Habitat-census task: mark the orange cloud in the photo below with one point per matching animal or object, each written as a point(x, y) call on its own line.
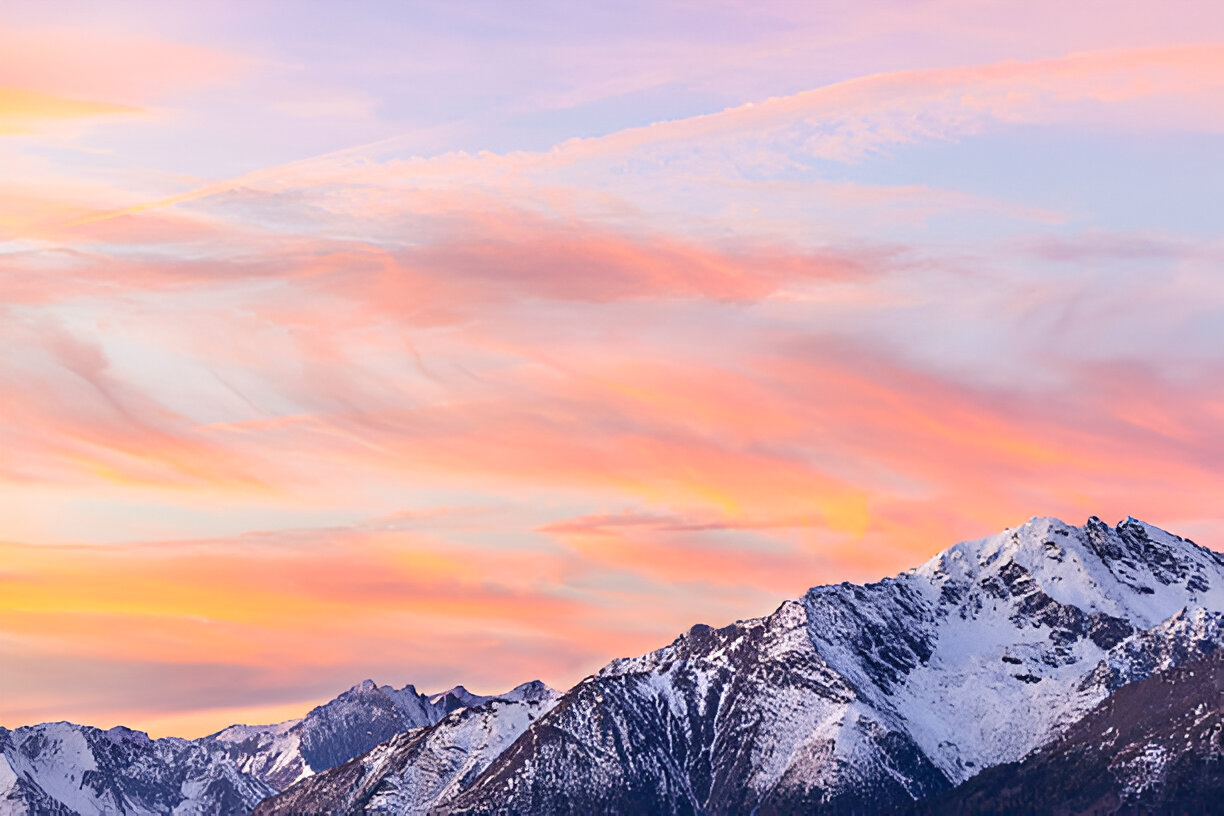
point(488, 365)
point(672, 550)
point(22, 110)
point(746, 468)
point(260, 619)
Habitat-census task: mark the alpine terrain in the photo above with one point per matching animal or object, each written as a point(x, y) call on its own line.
point(60, 768)
point(1003, 673)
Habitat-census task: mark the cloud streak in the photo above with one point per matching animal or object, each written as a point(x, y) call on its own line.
point(21, 111)
point(844, 122)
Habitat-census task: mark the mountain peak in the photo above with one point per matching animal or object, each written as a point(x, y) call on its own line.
point(456, 691)
point(1134, 569)
point(1002, 629)
point(457, 697)
point(531, 691)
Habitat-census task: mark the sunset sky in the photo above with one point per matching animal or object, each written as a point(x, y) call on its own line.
point(477, 342)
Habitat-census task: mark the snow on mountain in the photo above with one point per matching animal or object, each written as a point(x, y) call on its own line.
point(359, 719)
point(60, 768)
point(977, 653)
point(331, 734)
point(865, 697)
point(456, 698)
point(418, 770)
point(851, 699)
point(740, 719)
point(271, 753)
point(1153, 747)
point(533, 691)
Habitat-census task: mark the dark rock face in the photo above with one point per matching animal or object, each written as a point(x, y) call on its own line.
point(332, 734)
point(1130, 551)
point(888, 625)
point(1154, 747)
point(361, 718)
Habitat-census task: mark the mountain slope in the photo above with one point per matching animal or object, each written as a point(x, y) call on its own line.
point(60, 768)
point(979, 653)
point(725, 720)
point(852, 699)
point(861, 698)
point(422, 768)
point(1154, 747)
point(335, 732)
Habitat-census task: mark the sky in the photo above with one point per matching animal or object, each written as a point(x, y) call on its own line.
point(445, 343)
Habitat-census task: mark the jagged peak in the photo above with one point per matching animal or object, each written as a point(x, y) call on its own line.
point(123, 732)
point(1048, 536)
point(457, 696)
point(455, 691)
point(368, 687)
point(531, 691)
point(985, 551)
point(1190, 617)
point(1133, 570)
point(966, 677)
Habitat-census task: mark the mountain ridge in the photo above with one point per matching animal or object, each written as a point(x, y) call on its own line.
point(63, 768)
point(912, 684)
point(851, 698)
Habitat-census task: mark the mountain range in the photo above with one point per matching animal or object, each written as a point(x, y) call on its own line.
point(1049, 668)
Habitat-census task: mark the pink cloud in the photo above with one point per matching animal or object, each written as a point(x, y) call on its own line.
point(113, 66)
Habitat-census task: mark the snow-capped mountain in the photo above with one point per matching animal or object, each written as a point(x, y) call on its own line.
point(863, 698)
point(852, 699)
point(456, 698)
point(271, 753)
point(332, 733)
point(422, 769)
point(60, 769)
